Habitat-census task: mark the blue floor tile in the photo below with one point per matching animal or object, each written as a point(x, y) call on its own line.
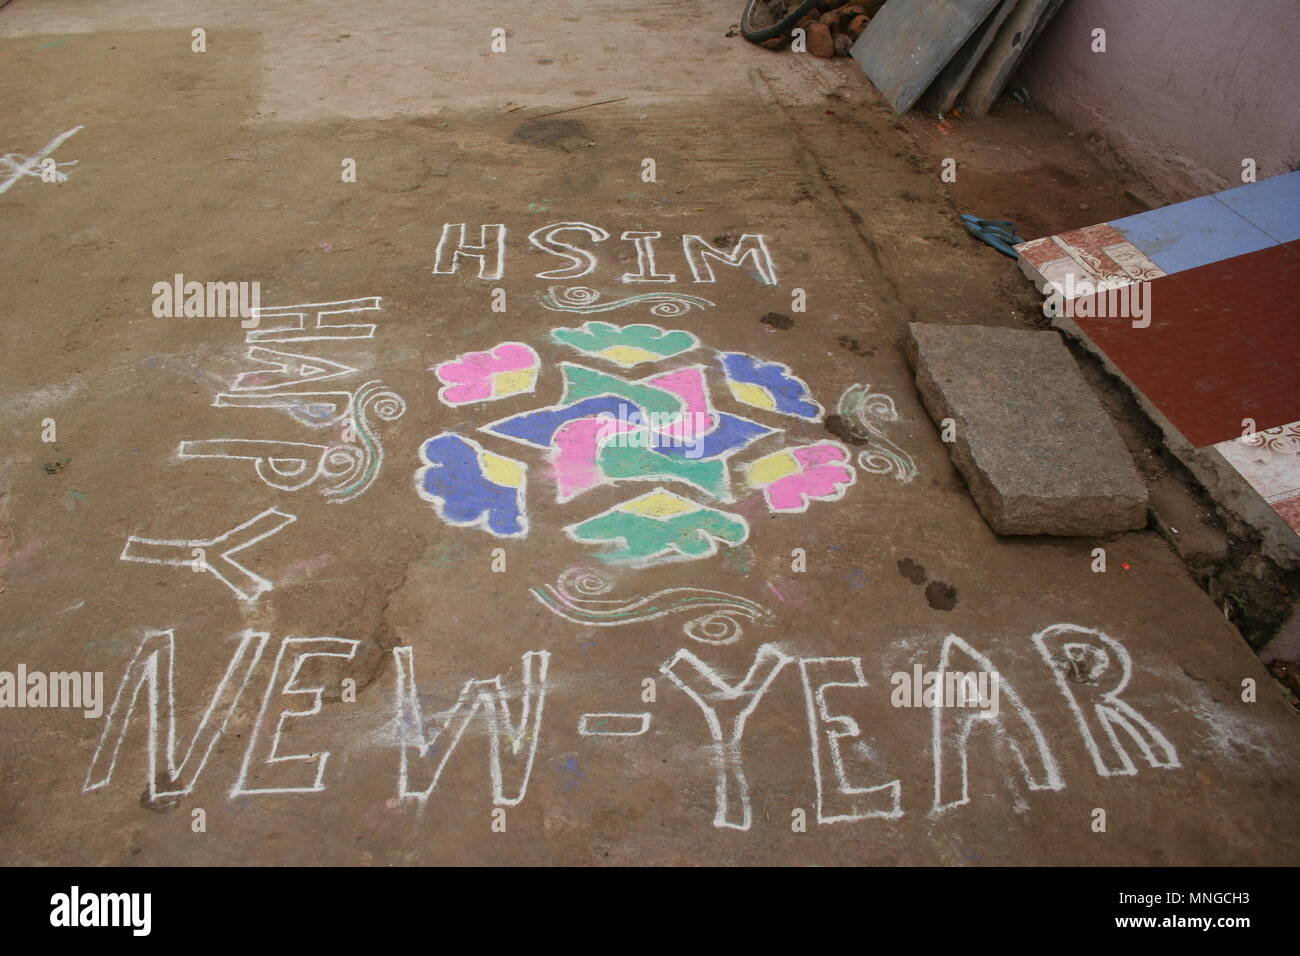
point(1193, 233)
point(1272, 205)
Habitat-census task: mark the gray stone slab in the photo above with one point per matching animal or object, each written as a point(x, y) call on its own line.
point(948, 85)
point(1009, 45)
point(1037, 450)
point(908, 42)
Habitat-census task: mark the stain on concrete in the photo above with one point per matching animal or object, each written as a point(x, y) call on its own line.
point(562, 134)
point(843, 429)
point(778, 321)
point(911, 570)
point(941, 595)
point(850, 344)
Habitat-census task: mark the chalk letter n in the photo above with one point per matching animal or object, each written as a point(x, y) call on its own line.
point(152, 668)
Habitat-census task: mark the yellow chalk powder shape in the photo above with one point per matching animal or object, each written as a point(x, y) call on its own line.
point(751, 394)
point(770, 468)
point(509, 383)
point(658, 504)
point(503, 471)
point(627, 354)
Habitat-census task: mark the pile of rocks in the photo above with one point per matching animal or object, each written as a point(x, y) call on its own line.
point(830, 28)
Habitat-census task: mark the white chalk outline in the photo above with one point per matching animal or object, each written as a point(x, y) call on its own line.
point(879, 448)
point(645, 258)
point(669, 553)
point(286, 333)
point(463, 251)
point(481, 522)
point(274, 688)
point(702, 269)
point(254, 584)
point(326, 455)
point(575, 253)
point(144, 668)
point(271, 357)
point(808, 499)
point(584, 725)
point(536, 369)
point(819, 716)
point(475, 693)
point(295, 403)
point(29, 163)
point(726, 754)
point(968, 717)
point(1111, 711)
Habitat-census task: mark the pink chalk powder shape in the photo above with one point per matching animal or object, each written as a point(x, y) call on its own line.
point(468, 378)
point(689, 385)
point(819, 479)
point(575, 447)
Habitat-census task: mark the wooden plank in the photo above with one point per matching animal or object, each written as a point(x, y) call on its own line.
point(1013, 38)
point(947, 86)
point(908, 42)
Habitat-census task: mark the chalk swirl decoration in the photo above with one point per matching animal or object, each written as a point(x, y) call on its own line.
point(366, 456)
point(575, 596)
point(858, 406)
point(585, 301)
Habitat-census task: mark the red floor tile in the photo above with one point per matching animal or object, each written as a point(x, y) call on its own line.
point(1223, 345)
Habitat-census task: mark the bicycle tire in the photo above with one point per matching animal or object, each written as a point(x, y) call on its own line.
point(777, 29)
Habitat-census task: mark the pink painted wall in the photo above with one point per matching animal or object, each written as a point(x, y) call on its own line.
point(1186, 89)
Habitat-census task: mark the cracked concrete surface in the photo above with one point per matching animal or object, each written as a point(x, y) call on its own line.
point(225, 166)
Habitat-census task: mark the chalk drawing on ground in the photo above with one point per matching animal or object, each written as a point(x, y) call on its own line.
point(279, 772)
point(471, 487)
point(510, 368)
point(792, 478)
point(727, 706)
point(427, 744)
point(297, 328)
point(313, 409)
point(576, 597)
point(589, 393)
point(152, 669)
point(613, 725)
point(14, 166)
point(387, 406)
point(1092, 669)
point(1013, 725)
point(347, 468)
point(626, 345)
point(286, 370)
point(838, 799)
point(195, 553)
point(657, 527)
point(770, 386)
point(857, 407)
point(660, 428)
point(585, 301)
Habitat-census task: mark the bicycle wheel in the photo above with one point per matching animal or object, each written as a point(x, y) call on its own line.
point(765, 19)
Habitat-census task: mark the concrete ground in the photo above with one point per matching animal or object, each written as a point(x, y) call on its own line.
point(225, 165)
